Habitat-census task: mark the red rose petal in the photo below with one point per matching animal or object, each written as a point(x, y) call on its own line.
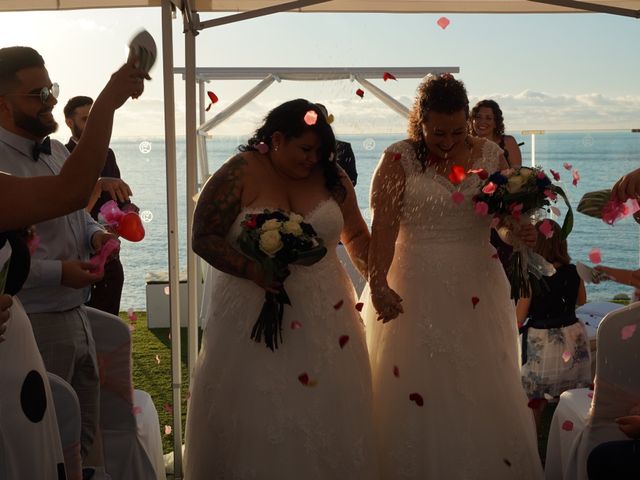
point(590, 394)
point(556, 175)
point(576, 177)
point(457, 197)
point(338, 305)
point(397, 156)
point(595, 256)
point(567, 166)
point(417, 399)
point(443, 22)
point(311, 117)
point(457, 174)
point(168, 408)
point(303, 378)
point(388, 76)
point(567, 425)
point(396, 371)
point(359, 306)
point(627, 331)
point(343, 340)
point(295, 325)
point(474, 301)
point(535, 402)
point(360, 93)
point(213, 98)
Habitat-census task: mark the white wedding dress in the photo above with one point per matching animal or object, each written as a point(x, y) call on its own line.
point(250, 415)
point(454, 349)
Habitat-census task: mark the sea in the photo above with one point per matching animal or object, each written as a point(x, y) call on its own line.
point(600, 157)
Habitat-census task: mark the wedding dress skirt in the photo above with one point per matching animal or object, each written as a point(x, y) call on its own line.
point(300, 412)
point(448, 402)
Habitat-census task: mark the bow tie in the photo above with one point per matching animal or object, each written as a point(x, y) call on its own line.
point(44, 147)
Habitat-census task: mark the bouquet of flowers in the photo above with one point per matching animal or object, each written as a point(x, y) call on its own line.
point(275, 240)
point(513, 196)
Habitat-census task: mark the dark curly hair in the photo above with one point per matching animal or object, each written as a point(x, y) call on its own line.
point(442, 94)
point(498, 118)
point(288, 119)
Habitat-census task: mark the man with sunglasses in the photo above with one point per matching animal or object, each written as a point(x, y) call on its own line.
point(60, 276)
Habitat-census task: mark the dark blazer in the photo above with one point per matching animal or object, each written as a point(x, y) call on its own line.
point(347, 160)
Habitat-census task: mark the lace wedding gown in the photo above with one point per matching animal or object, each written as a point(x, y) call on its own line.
point(301, 412)
point(448, 402)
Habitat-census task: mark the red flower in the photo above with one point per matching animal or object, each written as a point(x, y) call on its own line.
point(417, 399)
point(343, 340)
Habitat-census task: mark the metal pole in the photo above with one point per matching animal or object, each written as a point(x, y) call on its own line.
point(172, 233)
point(193, 274)
point(533, 149)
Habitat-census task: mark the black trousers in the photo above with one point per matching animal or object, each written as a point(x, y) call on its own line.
point(615, 460)
point(105, 295)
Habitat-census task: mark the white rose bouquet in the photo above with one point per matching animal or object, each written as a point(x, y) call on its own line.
point(275, 240)
point(512, 196)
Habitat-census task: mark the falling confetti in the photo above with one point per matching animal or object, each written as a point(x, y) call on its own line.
point(489, 188)
point(595, 256)
point(417, 399)
point(481, 172)
point(343, 340)
point(359, 306)
point(546, 229)
point(457, 174)
point(474, 301)
point(338, 305)
point(443, 22)
point(556, 175)
point(157, 359)
point(627, 332)
point(303, 378)
point(360, 93)
point(167, 429)
point(567, 425)
point(396, 371)
point(481, 208)
point(576, 177)
point(310, 118)
point(457, 197)
point(550, 194)
point(295, 325)
point(388, 76)
point(555, 211)
point(566, 356)
point(567, 166)
point(133, 318)
point(213, 98)
point(167, 408)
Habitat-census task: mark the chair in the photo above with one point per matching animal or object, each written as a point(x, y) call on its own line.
point(130, 435)
point(617, 388)
point(68, 416)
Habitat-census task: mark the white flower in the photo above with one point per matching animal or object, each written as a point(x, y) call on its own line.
point(270, 242)
point(292, 227)
point(525, 172)
point(271, 224)
point(514, 183)
point(294, 217)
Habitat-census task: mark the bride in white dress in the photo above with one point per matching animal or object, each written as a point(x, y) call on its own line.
point(448, 402)
point(302, 411)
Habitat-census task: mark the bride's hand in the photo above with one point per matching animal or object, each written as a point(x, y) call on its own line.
point(387, 302)
point(256, 274)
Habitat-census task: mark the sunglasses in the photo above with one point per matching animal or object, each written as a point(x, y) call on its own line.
point(44, 93)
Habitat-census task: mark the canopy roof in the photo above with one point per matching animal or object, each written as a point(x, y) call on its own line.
point(621, 7)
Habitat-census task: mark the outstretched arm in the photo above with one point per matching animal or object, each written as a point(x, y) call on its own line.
point(42, 198)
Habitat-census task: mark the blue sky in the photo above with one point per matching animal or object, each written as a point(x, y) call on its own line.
point(564, 71)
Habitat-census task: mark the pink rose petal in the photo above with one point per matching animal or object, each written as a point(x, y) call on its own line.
point(567, 425)
point(443, 22)
point(457, 197)
point(576, 177)
point(566, 356)
point(550, 194)
point(481, 208)
point(567, 166)
point(295, 325)
point(595, 255)
point(489, 188)
point(310, 118)
point(556, 175)
point(136, 410)
point(590, 394)
point(546, 228)
point(627, 332)
point(555, 211)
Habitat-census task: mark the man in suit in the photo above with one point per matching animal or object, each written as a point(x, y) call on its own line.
point(344, 153)
point(105, 294)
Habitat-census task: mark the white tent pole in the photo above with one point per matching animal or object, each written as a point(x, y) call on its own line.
point(172, 231)
point(238, 104)
point(203, 156)
point(385, 98)
point(193, 274)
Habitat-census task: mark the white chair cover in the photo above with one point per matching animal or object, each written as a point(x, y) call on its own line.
point(617, 386)
point(125, 456)
point(148, 426)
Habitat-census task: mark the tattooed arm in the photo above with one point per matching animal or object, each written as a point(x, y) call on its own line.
point(218, 206)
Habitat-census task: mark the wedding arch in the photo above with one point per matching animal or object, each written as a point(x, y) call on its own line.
point(241, 10)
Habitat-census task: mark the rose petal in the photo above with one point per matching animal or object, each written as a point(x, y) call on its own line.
point(168, 408)
point(567, 425)
point(388, 76)
point(566, 356)
point(136, 410)
point(546, 228)
point(443, 22)
point(167, 429)
point(295, 325)
point(576, 177)
point(627, 332)
point(343, 340)
point(474, 301)
point(457, 174)
point(360, 93)
point(338, 305)
point(303, 378)
point(481, 172)
point(457, 197)
point(359, 306)
point(555, 211)
point(550, 194)
point(397, 156)
point(556, 175)
point(396, 371)
point(212, 96)
point(595, 255)
point(590, 394)
point(489, 188)
point(417, 399)
point(481, 208)
point(310, 118)
point(535, 403)
point(567, 166)
point(166, 290)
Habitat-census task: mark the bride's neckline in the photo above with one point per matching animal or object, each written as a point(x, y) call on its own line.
point(306, 216)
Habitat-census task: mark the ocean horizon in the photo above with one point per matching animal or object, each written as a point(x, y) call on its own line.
point(600, 156)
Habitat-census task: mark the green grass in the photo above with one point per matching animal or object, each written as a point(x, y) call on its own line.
point(148, 347)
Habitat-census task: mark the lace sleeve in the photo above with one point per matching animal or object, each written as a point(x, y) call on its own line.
point(491, 156)
point(406, 155)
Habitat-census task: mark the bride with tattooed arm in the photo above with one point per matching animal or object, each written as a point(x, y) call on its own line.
point(302, 410)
